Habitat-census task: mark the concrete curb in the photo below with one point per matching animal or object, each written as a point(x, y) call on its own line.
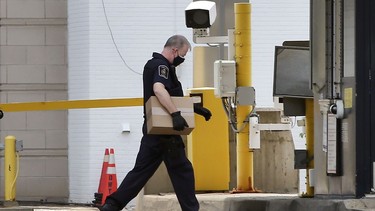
point(257, 202)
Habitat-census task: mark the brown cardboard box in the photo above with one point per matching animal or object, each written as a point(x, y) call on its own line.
point(159, 121)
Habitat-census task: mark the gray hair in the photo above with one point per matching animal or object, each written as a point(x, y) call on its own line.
point(177, 41)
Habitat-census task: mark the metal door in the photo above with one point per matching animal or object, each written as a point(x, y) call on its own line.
point(365, 96)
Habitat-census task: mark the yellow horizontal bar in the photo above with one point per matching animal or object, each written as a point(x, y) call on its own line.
point(71, 104)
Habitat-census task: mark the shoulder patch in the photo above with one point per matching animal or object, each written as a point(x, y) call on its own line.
point(163, 71)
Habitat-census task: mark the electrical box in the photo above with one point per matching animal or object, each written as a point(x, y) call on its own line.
point(225, 78)
point(245, 95)
point(300, 159)
point(19, 145)
point(254, 133)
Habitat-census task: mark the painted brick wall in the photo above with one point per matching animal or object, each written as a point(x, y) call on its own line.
point(273, 22)
point(140, 27)
point(78, 72)
point(96, 70)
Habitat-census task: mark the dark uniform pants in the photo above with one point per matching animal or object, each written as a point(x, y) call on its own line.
point(151, 153)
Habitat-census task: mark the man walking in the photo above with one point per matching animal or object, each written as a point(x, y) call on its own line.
point(160, 80)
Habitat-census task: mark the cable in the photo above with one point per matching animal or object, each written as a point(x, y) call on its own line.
point(231, 112)
point(16, 176)
point(114, 42)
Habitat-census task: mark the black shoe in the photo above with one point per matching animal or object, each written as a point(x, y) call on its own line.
point(109, 207)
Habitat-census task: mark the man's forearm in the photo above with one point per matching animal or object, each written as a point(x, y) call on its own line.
point(164, 98)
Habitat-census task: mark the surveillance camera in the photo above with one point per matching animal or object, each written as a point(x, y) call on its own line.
point(200, 14)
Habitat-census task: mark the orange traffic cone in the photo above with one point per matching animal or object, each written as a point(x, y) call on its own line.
point(110, 181)
point(99, 199)
point(111, 172)
point(104, 171)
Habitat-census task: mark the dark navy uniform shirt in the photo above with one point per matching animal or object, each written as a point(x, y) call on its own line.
point(158, 69)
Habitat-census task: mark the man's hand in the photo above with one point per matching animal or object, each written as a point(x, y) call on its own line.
point(202, 111)
point(179, 123)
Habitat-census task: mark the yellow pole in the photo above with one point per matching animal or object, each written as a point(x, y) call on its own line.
point(309, 124)
point(242, 13)
point(10, 168)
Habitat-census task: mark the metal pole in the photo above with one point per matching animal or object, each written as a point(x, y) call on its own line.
point(242, 13)
point(10, 168)
point(309, 124)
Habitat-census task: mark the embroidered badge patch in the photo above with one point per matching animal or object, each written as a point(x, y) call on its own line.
point(163, 71)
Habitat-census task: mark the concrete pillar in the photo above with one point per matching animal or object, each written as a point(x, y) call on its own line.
point(33, 67)
point(274, 161)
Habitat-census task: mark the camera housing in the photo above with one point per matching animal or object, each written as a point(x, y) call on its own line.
point(200, 14)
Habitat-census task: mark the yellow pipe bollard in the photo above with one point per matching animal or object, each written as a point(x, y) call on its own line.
point(242, 13)
point(309, 124)
point(10, 169)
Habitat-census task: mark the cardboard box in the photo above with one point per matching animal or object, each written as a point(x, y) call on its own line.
point(159, 121)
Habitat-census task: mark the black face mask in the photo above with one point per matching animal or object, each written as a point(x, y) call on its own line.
point(178, 60)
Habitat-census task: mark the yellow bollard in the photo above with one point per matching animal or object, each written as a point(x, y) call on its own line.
point(10, 169)
point(242, 13)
